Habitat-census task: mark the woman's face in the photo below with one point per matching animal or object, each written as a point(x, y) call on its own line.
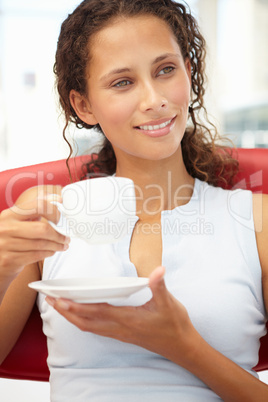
point(139, 87)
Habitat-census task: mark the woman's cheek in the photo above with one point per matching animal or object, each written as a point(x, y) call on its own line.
point(119, 113)
point(180, 93)
point(182, 97)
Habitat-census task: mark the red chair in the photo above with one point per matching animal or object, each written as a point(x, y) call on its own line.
point(27, 360)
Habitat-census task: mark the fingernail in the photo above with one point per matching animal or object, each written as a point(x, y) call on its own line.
point(65, 247)
point(64, 305)
point(50, 301)
point(53, 197)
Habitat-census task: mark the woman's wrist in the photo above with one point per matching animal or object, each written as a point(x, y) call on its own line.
point(191, 347)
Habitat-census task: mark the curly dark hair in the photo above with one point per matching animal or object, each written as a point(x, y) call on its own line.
point(204, 158)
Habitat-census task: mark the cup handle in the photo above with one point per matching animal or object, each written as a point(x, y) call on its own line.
point(60, 229)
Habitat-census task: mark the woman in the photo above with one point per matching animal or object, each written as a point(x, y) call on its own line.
point(135, 70)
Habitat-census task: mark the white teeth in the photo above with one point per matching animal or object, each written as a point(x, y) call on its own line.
point(156, 127)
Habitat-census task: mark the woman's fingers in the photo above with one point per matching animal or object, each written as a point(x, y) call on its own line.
point(15, 261)
point(94, 311)
point(26, 237)
point(32, 230)
point(109, 313)
point(156, 280)
point(38, 244)
point(102, 318)
point(24, 221)
point(34, 209)
point(160, 325)
point(124, 323)
point(158, 288)
point(16, 252)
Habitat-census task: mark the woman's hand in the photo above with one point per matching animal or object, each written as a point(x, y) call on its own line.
point(25, 237)
point(161, 325)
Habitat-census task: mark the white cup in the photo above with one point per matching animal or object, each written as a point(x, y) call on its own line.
point(98, 210)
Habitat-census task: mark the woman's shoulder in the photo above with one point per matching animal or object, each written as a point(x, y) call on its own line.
point(260, 214)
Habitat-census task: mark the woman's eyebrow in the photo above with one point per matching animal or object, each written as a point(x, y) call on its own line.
point(114, 72)
point(127, 70)
point(165, 56)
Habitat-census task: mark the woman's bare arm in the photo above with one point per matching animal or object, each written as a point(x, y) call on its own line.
point(260, 209)
point(25, 239)
point(16, 308)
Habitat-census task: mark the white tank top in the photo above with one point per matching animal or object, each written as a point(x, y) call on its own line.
point(212, 267)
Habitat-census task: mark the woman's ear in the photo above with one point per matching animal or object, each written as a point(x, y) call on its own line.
point(82, 108)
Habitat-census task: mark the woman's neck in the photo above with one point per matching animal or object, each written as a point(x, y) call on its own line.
point(160, 185)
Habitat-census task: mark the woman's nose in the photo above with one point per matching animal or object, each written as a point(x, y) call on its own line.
point(152, 99)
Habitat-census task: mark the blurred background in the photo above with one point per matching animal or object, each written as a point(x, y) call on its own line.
point(30, 123)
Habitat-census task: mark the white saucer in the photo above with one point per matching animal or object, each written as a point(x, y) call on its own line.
point(91, 290)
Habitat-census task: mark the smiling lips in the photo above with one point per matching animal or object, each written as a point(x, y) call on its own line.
point(157, 130)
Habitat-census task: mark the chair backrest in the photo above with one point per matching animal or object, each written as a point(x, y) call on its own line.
point(27, 360)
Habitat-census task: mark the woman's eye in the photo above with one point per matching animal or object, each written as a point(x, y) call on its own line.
point(122, 84)
point(166, 70)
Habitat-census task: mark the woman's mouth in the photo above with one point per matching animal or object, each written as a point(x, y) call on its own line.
point(157, 130)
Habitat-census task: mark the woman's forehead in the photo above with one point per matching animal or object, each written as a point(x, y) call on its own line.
point(124, 37)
